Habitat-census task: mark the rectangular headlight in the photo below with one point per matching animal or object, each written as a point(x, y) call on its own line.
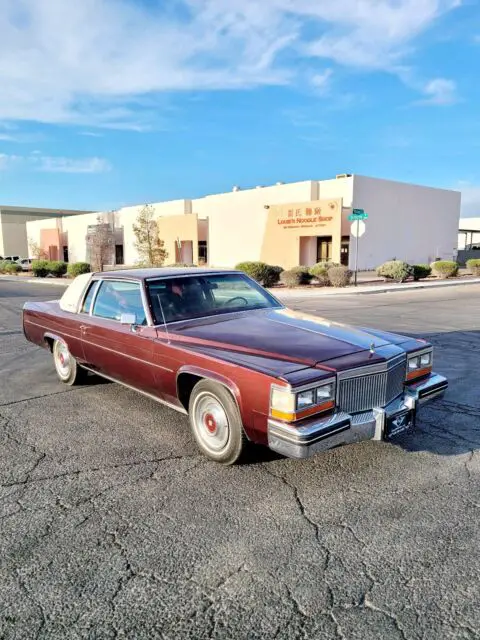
point(419, 365)
point(286, 404)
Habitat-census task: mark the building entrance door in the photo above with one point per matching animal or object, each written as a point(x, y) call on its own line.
point(344, 250)
point(324, 248)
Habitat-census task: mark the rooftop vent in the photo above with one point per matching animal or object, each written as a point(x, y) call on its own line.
point(259, 186)
point(279, 183)
point(343, 175)
point(236, 188)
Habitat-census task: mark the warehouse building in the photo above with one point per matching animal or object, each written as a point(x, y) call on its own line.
point(13, 227)
point(283, 224)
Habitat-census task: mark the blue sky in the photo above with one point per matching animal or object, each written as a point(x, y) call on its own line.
point(113, 102)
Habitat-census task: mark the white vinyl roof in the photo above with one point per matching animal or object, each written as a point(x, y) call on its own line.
point(74, 293)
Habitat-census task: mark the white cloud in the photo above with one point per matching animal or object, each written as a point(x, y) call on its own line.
point(54, 164)
point(440, 91)
point(321, 81)
point(105, 62)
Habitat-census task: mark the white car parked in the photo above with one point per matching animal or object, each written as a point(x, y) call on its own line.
point(25, 263)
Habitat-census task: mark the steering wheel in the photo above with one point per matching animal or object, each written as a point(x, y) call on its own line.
point(244, 300)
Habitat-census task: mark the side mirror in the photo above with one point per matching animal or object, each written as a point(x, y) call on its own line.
point(128, 318)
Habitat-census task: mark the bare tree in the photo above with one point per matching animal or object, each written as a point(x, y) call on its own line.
point(100, 244)
point(36, 250)
point(150, 248)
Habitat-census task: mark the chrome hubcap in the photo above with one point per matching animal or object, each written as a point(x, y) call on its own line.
point(211, 422)
point(62, 360)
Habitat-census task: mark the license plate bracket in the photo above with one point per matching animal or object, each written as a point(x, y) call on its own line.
point(399, 423)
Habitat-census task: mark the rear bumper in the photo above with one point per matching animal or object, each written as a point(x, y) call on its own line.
point(343, 428)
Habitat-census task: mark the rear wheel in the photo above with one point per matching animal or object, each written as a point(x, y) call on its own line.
point(66, 366)
point(216, 423)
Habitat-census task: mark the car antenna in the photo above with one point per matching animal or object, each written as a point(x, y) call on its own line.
point(163, 317)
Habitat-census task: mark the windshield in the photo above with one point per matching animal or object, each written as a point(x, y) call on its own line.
point(205, 295)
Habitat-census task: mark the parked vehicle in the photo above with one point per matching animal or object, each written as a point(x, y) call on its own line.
point(11, 258)
point(217, 346)
point(25, 263)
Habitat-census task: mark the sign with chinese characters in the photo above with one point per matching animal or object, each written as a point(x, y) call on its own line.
point(307, 215)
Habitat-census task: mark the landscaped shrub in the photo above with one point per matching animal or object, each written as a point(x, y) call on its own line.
point(474, 265)
point(420, 271)
point(266, 274)
point(40, 268)
point(57, 268)
point(255, 270)
point(444, 268)
point(394, 270)
point(10, 268)
point(291, 278)
point(339, 276)
point(304, 273)
point(320, 271)
point(272, 275)
point(75, 269)
point(178, 265)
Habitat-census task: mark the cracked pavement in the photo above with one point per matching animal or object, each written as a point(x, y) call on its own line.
point(112, 525)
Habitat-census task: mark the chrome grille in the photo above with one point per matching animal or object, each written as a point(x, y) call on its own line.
point(366, 388)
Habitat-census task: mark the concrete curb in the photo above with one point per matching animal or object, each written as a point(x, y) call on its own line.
point(370, 290)
point(54, 281)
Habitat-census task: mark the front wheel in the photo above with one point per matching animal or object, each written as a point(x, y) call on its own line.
point(216, 423)
point(66, 366)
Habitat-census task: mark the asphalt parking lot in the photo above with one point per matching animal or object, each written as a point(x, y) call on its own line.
point(114, 526)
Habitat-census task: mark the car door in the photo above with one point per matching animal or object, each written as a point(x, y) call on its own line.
point(123, 352)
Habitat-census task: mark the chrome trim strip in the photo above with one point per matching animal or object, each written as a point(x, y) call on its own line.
point(379, 367)
point(144, 393)
point(126, 355)
point(94, 344)
point(42, 326)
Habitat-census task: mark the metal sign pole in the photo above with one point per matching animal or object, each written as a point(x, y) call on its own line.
point(356, 252)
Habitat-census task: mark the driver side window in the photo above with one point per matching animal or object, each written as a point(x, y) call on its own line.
point(116, 297)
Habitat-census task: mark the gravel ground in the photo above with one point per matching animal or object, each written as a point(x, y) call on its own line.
point(114, 526)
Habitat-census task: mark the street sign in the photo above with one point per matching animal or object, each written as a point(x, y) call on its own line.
point(358, 216)
point(358, 228)
point(357, 211)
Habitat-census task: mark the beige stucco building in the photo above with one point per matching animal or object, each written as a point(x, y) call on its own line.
point(13, 226)
point(283, 224)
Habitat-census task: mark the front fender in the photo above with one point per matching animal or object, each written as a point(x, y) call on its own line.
point(216, 377)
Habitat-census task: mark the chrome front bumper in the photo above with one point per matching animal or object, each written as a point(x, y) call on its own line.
point(343, 428)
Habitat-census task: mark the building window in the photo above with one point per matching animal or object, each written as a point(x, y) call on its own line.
point(119, 254)
point(202, 251)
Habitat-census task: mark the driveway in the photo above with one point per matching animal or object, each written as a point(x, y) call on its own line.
point(114, 526)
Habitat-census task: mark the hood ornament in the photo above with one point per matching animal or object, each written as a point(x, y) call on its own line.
point(372, 348)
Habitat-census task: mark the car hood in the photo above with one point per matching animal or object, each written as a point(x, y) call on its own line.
point(282, 334)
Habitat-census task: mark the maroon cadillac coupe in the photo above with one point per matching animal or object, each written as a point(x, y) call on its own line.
point(216, 346)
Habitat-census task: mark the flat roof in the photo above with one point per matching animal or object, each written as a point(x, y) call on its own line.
point(161, 272)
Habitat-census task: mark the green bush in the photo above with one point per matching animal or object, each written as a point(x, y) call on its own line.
point(180, 265)
point(266, 274)
point(394, 270)
point(272, 275)
point(11, 268)
point(339, 276)
point(75, 269)
point(291, 278)
point(320, 271)
point(444, 268)
point(304, 273)
point(40, 268)
point(420, 271)
point(57, 268)
point(474, 265)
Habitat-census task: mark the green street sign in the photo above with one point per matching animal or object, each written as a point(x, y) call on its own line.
point(357, 211)
point(358, 216)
